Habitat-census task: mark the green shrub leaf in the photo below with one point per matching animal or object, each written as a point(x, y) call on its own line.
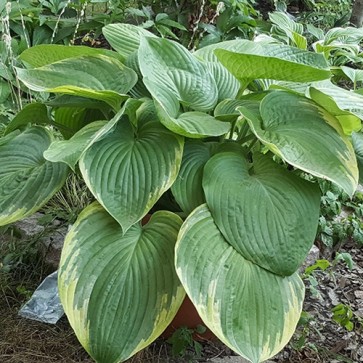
point(119, 291)
point(27, 180)
point(269, 215)
point(251, 310)
point(358, 147)
point(306, 136)
point(139, 168)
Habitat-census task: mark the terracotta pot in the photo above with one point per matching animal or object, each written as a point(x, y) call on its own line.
point(187, 316)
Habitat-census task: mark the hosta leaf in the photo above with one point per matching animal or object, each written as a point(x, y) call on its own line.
point(69, 120)
point(33, 113)
point(275, 61)
point(192, 124)
point(227, 84)
point(269, 215)
point(187, 188)
point(348, 120)
point(346, 100)
point(27, 180)
point(125, 38)
point(358, 147)
point(251, 310)
point(98, 77)
point(139, 169)
point(170, 65)
point(41, 55)
point(69, 151)
point(119, 291)
point(306, 136)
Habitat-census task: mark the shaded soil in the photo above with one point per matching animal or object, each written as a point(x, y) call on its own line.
point(319, 339)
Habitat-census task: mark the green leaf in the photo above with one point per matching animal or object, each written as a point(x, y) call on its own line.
point(27, 180)
point(5, 90)
point(44, 54)
point(138, 166)
point(187, 188)
point(119, 291)
point(33, 113)
point(170, 65)
point(358, 148)
point(346, 100)
point(306, 136)
point(355, 75)
point(69, 151)
point(251, 310)
point(274, 61)
point(348, 120)
point(269, 215)
point(97, 77)
point(125, 38)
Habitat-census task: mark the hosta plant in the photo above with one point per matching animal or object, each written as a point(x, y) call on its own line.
point(229, 175)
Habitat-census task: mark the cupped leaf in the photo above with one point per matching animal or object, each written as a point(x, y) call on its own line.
point(129, 169)
point(306, 136)
point(27, 180)
point(358, 148)
point(348, 120)
point(44, 54)
point(119, 291)
point(97, 77)
point(274, 61)
point(69, 151)
point(269, 215)
point(251, 310)
point(193, 124)
point(187, 188)
point(33, 113)
point(170, 65)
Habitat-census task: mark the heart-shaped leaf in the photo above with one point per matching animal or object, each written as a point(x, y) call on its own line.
point(138, 166)
point(269, 215)
point(27, 180)
point(251, 310)
point(119, 291)
point(306, 136)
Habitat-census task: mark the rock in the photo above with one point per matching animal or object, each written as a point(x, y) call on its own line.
point(54, 244)
point(29, 227)
point(360, 188)
point(313, 255)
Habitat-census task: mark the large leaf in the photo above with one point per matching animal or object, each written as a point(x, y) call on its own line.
point(172, 66)
point(69, 151)
point(269, 215)
point(27, 180)
point(348, 120)
point(97, 77)
point(33, 113)
point(174, 78)
point(346, 100)
point(125, 38)
point(251, 310)
point(129, 169)
point(45, 54)
point(274, 61)
point(358, 147)
point(119, 291)
point(187, 188)
point(306, 136)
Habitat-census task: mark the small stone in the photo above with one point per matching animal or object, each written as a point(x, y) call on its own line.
point(313, 255)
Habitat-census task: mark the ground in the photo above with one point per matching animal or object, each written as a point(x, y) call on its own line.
point(318, 339)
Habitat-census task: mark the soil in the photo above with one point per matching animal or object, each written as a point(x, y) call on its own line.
point(320, 339)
